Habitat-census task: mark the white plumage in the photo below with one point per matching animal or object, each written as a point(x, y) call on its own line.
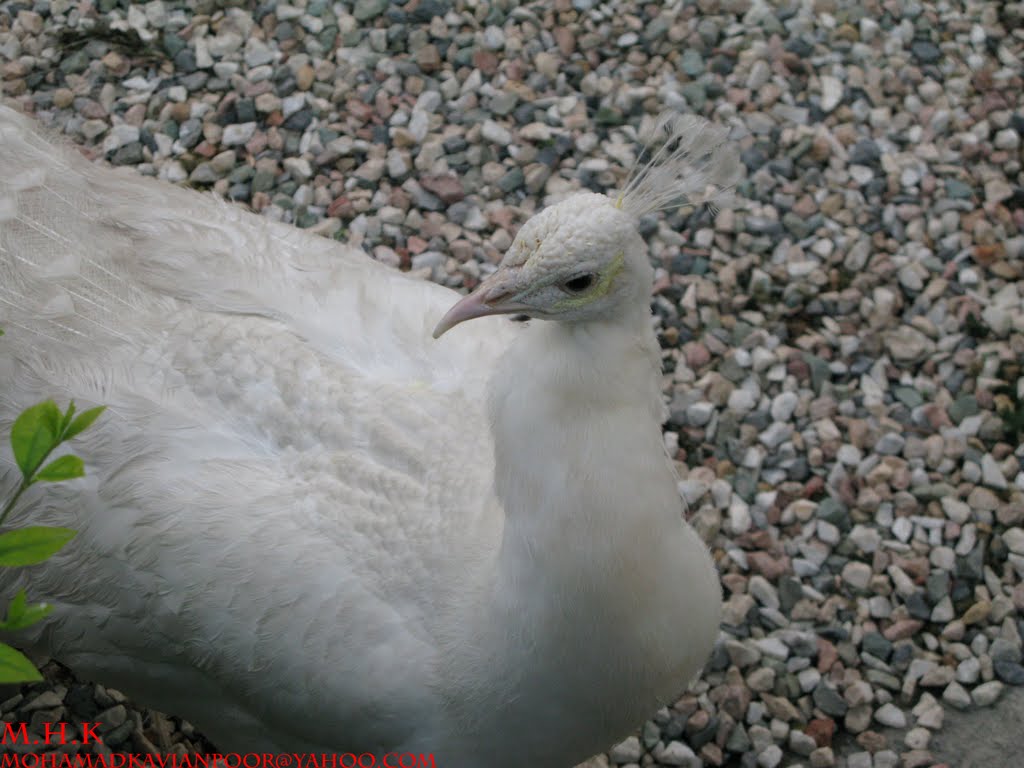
point(308, 526)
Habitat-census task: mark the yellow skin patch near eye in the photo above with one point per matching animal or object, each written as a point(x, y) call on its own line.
point(599, 289)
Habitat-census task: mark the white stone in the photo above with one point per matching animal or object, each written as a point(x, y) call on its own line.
point(956, 696)
point(938, 676)
point(996, 190)
point(1006, 139)
point(776, 434)
point(968, 671)
point(827, 532)
point(419, 124)
point(956, 510)
point(987, 694)
point(772, 646)
point(867, 539)
point(628, 751)
point(770, 757)
point(119, 136)
point(298, 168)
point(677, 753)
point(879, 607)
point(801, 743)
point(850, 455)
point(292, 104)
point(919, 668)
point(783, 406)
point(831, 93)
point(498, 134)
point(917, 738)
point(902, 528)
point(991, 474)
point(741, 401)
point(931, 716)
point(699, 414)
point(760, 73)
point(892, 716)
point(857, 574)
point(943, 611)
point(137, 18)
point(256, 51)
point(968, 537)
point(237, 133)
point(943, 558)
point(1014, 539)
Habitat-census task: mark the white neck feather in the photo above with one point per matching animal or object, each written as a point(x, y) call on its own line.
point(601, 595)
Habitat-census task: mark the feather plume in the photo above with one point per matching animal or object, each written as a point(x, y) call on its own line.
point(694, 164)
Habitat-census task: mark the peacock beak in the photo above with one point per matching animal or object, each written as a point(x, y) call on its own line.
point(496, 295)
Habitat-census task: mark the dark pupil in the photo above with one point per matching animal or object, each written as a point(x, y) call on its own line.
point(580, 283)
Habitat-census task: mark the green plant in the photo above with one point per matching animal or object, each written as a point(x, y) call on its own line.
point(34, 436)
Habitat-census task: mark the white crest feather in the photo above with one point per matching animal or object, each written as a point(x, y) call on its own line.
point(695, 163)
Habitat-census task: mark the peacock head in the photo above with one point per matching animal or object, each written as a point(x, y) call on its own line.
point(574, 261)
point(583, 259)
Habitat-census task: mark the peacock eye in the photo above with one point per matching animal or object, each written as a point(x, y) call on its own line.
point(578, 284)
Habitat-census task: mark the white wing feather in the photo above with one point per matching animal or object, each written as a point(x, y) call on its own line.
point(276, 391)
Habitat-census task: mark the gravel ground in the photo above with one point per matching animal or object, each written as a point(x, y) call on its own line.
point(842, 347)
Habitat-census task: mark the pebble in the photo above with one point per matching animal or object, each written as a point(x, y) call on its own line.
point(968, 671)
point(986, 694)
point(494, 132)
point(857, 575)
point(1009, 672)
point(678, 753)
point(991, 474)
point(831, 93)
point(237, 134)
point(627, 751)
point(823, 757)
point(770, 757)
point(891, 716)
point(956, 696)
point(917, 738)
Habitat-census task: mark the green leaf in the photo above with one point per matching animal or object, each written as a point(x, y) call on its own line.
point(33, 613)
point(84, 421)
point(15, 668)
point(21, 615)
point(17, 607)
point(34, 435)
point(65, 468)
point(32, 545)
point(66, 419)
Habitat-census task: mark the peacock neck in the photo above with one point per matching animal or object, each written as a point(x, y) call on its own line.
point(594, 554)
point(575, 412)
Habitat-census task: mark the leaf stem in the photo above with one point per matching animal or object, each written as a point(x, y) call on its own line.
point(14, 500)
point(26, 481)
